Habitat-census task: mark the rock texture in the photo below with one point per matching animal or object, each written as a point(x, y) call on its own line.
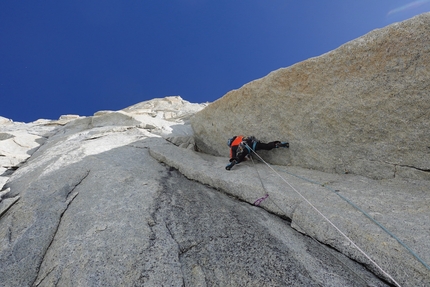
point(385, 219)
point(362, 108)
point(93, 206)
point(123, 198)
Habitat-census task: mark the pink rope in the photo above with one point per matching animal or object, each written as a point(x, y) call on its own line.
point(260, 200)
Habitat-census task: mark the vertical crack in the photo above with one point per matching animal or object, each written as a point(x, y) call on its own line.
point(44, 277)
point(9, 234)
point(171, 235)
point(70, 198)
point(182, 249)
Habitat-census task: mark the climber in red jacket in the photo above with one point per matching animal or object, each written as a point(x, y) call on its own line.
point(241, 146)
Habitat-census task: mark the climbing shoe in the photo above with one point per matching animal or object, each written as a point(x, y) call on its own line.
point(282, 144)
point(230, 165)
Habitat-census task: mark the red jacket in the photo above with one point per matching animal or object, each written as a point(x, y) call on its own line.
point(234, 145)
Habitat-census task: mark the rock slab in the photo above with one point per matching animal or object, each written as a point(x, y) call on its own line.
point(364, 209)
point(96, 208)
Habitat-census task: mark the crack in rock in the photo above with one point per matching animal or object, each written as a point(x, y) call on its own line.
point(69, 199)
point(161, 238)
point(417, 168)
point(75, 186)
point(44, 277)
point(7, 203)
point(53, 237)
point(24, 146)
point(182, 249)
point(4, 192)
point(186, 249)
point(9, 234)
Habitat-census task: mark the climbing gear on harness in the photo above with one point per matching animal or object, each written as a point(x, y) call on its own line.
point(246, 143)
point(254, 145)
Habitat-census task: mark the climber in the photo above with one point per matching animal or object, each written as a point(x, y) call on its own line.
point(241, 146)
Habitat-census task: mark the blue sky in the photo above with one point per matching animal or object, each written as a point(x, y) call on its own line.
point(82, 56)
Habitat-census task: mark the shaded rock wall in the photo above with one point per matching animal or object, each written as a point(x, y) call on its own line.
point(362, 108)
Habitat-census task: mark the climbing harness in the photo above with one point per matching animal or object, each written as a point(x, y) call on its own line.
point(326, 219)
point(254, 145)
point(250, 150)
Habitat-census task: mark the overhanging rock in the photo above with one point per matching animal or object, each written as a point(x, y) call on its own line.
point(362, 108)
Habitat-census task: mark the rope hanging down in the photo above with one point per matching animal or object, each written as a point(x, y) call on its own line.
point(329, 221)
point(283, 211)
point(260, 200)
point(368, 216)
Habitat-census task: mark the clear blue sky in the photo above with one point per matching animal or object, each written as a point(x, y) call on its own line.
point(82, 56)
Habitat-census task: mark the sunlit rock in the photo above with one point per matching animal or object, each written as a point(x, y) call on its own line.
point(362, 108)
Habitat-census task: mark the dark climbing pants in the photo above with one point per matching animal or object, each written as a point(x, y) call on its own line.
point(265, 146)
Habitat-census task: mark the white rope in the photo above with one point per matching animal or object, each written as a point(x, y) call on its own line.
point(328, 220)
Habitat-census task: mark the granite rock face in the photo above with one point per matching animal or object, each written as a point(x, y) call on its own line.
point(123, 198)
point(386, 219)
point(95, 205)
point(362, 108)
